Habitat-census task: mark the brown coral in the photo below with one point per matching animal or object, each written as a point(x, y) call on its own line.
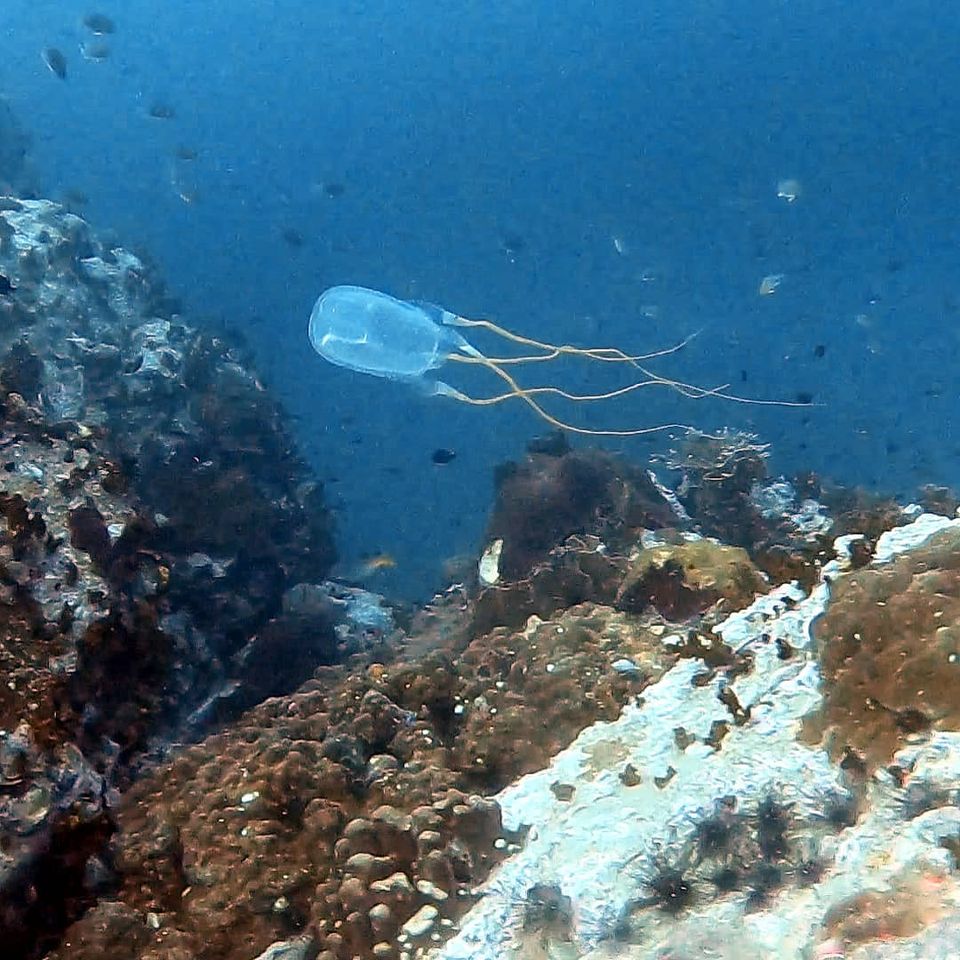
point(890, 652)
point(551, 496)
point(354, 810)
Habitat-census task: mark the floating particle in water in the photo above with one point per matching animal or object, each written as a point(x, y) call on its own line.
point(331, 189)
point(56, 62)
point(442, 455)
point(183, 184)
point(184, 174)
point(789, 189)
point(161, 111)
point(769, 284)
point(95, 51)
point(99, 23)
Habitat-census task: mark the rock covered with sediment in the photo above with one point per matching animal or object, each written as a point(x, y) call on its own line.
point(806, 805)
point(94, 354)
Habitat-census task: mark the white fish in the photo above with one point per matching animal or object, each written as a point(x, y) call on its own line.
point(769, 284)
point(95, 50)
point(789, 189)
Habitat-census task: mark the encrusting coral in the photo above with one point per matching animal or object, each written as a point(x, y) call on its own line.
point(889, 648)
point(348, 807)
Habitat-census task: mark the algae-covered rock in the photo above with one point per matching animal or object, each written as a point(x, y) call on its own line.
point(686, 578)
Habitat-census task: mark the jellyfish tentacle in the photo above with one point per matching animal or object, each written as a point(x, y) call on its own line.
point(525, 395)
point(558, 391)
point(605, 354)
point(615, 355)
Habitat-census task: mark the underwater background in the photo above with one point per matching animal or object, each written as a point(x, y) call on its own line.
point(303, 663)
point(602, 174)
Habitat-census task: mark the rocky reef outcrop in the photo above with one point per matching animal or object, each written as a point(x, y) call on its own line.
point(153, 517)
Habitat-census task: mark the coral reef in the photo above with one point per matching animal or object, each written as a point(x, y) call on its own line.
point(355, 808)
point(687, 578)
point(691, 829)
point(718, 474)
point(663, 716)
point(555, 493)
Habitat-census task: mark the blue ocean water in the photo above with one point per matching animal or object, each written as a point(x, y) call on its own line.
point(603, 174)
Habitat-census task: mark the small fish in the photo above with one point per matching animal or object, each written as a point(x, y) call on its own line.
point(488, 569)
point(512, 244)
point(334, 190)
point(789, 189)
point(187, 194)
point(377, 564)
point(293, 237)
point(95, 50)
point(56, 62)
point(442, 455)
point(99, 23)
point(75, 198)
point(769, 284)
point(186, 154)
point(619, 245)
point(161, 111)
